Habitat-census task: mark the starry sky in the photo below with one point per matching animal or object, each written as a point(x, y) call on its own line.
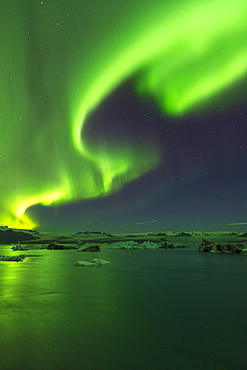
point(123, 116)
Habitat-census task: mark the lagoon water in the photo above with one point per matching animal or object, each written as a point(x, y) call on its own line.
point(148, 309)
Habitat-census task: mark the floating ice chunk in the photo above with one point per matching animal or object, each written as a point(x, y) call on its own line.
point(94, 262)
point(100, 261)
point(84, 263)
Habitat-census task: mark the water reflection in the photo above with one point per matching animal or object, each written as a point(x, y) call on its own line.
point(145, 309)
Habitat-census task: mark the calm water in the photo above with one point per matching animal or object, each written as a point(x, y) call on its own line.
point(150, 309)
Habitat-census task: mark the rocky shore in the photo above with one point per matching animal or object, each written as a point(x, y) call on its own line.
point(235, 248)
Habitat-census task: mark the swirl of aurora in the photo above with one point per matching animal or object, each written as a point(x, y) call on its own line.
point(61, 60)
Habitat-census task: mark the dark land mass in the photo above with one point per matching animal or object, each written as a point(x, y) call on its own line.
point(193, 238)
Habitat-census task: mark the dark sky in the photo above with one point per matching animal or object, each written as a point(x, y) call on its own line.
point(200, 183)
point(124, 116)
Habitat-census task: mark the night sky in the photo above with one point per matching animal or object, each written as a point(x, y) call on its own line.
point(123, 116)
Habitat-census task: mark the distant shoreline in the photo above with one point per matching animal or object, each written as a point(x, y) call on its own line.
point(193, 238)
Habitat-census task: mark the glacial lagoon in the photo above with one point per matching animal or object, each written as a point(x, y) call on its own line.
point(148, 309)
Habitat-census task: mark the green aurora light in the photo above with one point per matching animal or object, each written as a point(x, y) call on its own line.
point(52, 78)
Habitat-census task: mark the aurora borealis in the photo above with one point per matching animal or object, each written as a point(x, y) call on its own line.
point(121, 115)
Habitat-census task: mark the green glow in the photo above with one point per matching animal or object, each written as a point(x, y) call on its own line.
point(206, 54)
point(52, 78)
